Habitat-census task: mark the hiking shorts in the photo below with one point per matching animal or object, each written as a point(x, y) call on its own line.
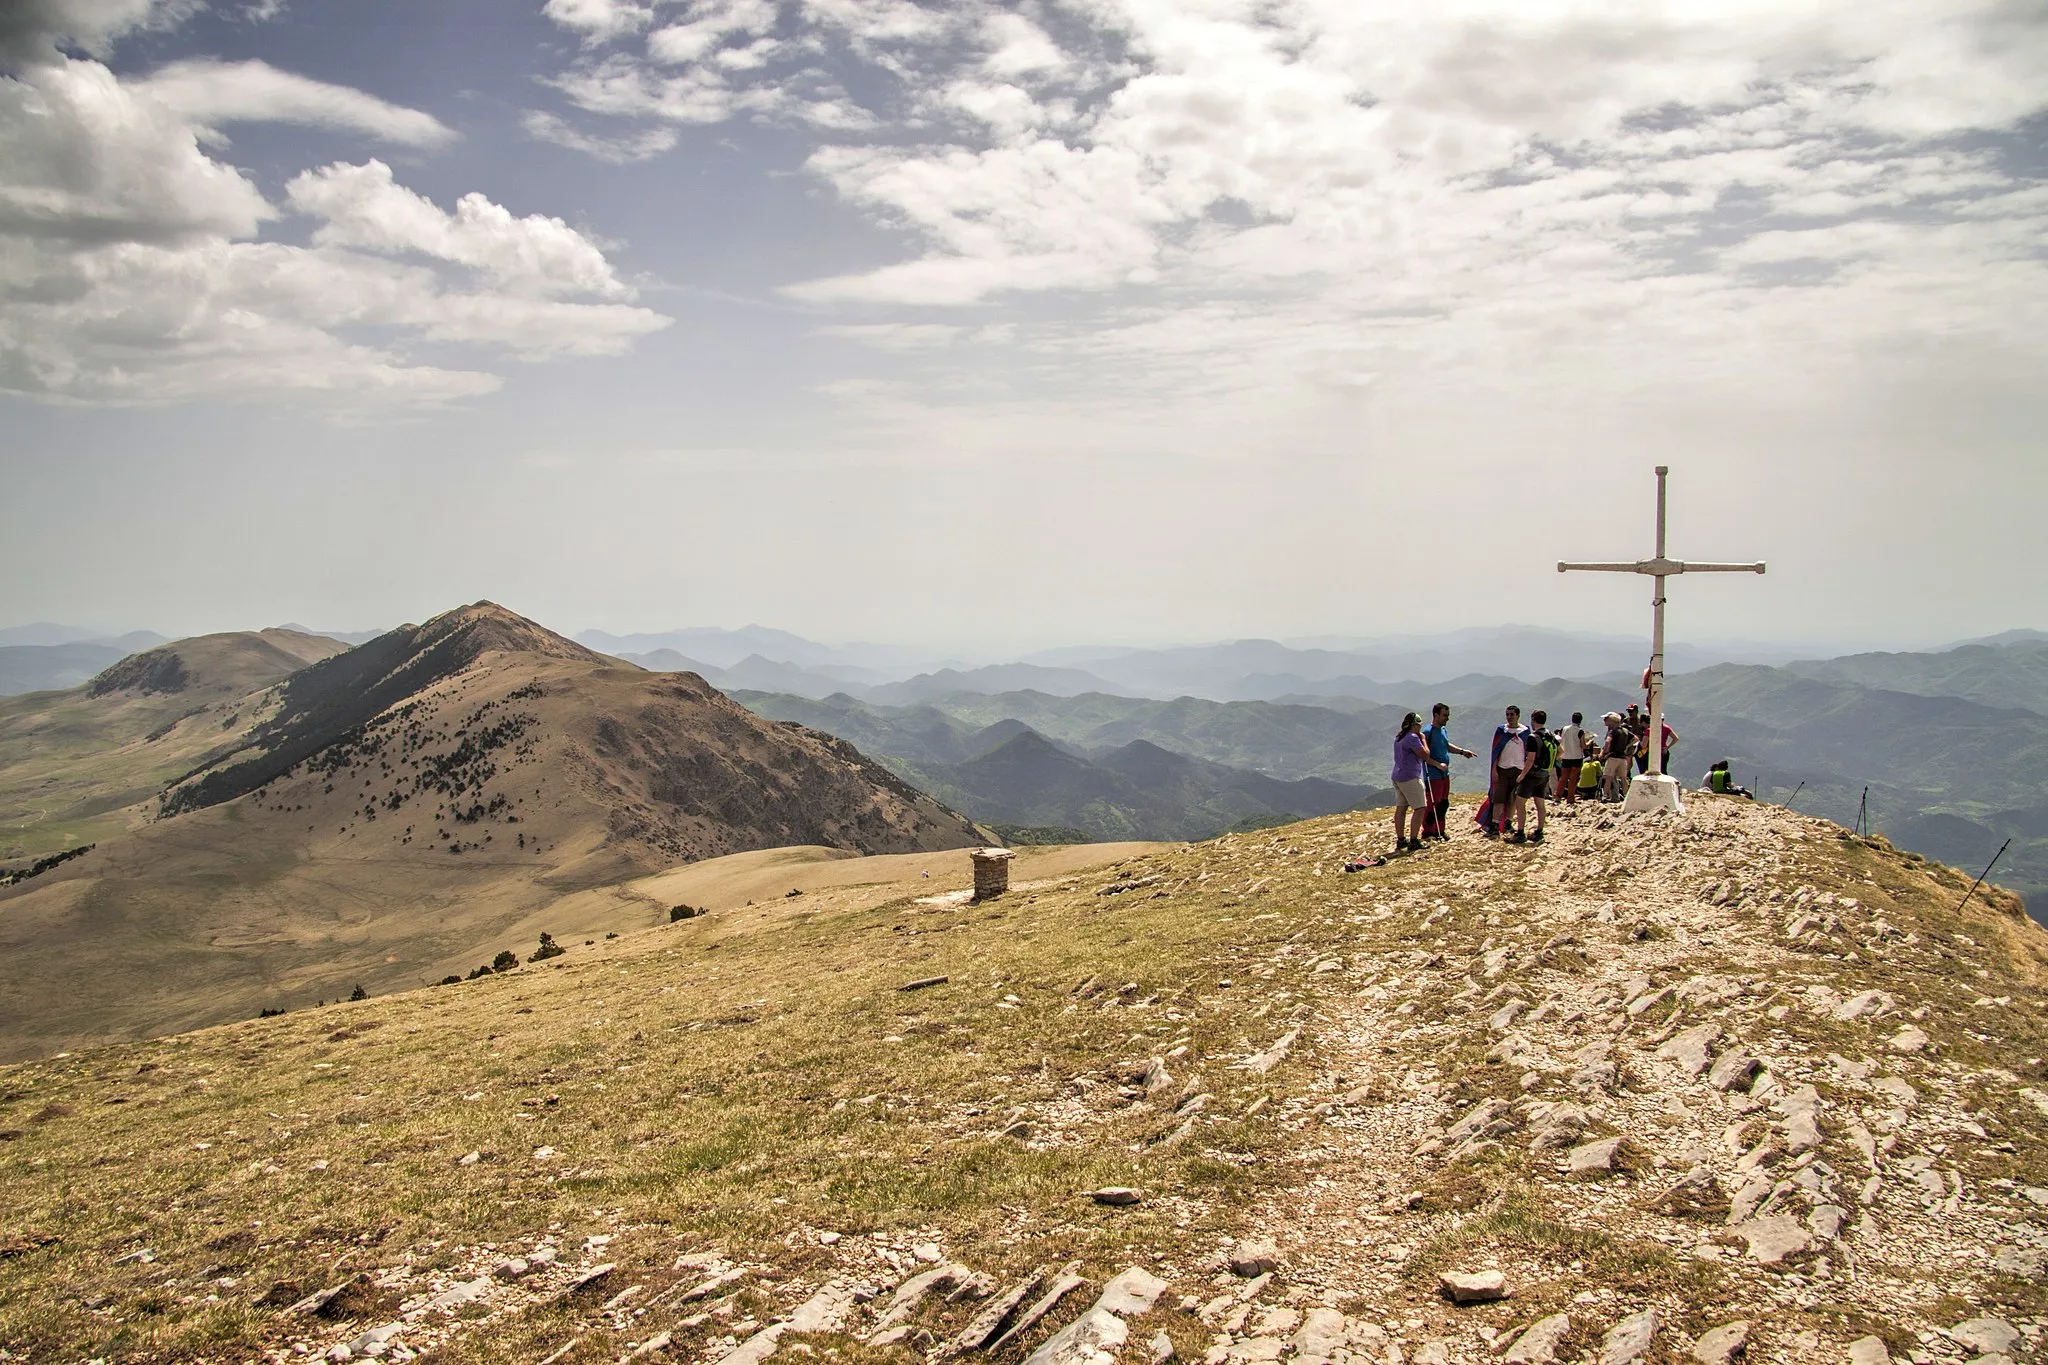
point(1617, 770)
point(1506, 782)
point(1409, 791)
point(1535, 782)
point(1568, 772)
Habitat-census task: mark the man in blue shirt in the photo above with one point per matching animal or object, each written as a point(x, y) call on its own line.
point(1436, 822)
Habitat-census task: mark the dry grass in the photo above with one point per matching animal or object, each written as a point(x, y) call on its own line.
point(749, 1079)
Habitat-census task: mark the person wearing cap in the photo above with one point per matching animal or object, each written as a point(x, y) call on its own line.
point(1614, 756)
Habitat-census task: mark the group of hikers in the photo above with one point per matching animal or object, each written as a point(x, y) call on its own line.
point(1529, 766)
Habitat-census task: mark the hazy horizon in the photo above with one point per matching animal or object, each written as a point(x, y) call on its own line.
point(1039, 322)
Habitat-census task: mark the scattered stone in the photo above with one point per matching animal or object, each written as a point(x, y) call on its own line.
point(1909, 1039)
point(1488, 1118)
point(1064, 1283)
point(1260, 1063)
point(912, 1292)
point(1538, 1345)
point(824, 1311)
point(1722, 1344)
point(1115, 1195)
point(1254, 1256)
point(512, 1269)
point(1735, 1070)
point(1865, 1002)
point(584, 1279)
point(1897, 1089)
point(469, 1158)
point(1160, 1349)
point(1101, 1329)
point(1771, 1240)
point(998, 1311)
point(1595, 1157)
point(1321, 1335)
point(1478, 1286)
point(1869, 1351)
point(2025, 1265)
point(1629, 1338)
point(451, 1299)
point(1692, 1048)
point(923, 982)
point(1986, 1336)
point(375, 1340)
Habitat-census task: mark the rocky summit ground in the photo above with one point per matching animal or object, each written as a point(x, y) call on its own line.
point(1703, 1087)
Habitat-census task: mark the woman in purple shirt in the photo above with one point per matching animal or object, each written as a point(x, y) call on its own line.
point(1411, 754)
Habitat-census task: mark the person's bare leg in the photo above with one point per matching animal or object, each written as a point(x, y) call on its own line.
point(1540, 815)
point(1400, 823)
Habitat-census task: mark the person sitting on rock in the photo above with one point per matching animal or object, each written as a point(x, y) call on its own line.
point(1720, 780)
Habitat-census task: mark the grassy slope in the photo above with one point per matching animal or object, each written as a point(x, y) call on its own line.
point(743, 1081)
point(77, 768)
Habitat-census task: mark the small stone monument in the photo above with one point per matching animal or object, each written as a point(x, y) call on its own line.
point(991, 872)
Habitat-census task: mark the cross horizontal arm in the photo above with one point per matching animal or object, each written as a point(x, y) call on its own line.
point(1663, 568)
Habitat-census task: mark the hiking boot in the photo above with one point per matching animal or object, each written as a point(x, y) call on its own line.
point(1518, 838)
point(1537, 837)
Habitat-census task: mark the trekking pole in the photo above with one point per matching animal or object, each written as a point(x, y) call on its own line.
point(1985, 873)
point(1795, 793)
point(1863, 814)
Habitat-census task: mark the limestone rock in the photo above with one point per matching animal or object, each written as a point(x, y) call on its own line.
point(1869, 1351)
point(1735, 1070)
point(1986, 1336)
point(1722, 1344)
point(1488, 1118)
point(1115, 1194)
point(1478, 1286)
point(1254, 1256)
point(1102, 1329)
point(1538, 1345)
point(1629, 1338)
point(1909, 1039)
point(1692, 1048)
point(1321, 1334)
point(1773, 1239)
point(1595, 1157)
point(2025, 1265)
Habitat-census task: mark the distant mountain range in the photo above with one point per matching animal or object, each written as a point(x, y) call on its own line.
point(1948, 776)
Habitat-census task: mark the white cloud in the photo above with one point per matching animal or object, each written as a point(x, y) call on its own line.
point(84, 158)
point(600, 20)
point(31, 29)
point(618, 148)
point(130, 269)
point(210, 93)
point(365, 208)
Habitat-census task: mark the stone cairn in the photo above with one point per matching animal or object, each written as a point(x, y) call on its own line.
point(991, 872)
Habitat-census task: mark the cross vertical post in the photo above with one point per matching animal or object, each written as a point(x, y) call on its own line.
point(1653, 788)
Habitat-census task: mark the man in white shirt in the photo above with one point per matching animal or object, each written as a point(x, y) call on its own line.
point(1512, 755)
point(1571, 757)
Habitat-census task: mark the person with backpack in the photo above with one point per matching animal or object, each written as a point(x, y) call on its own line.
point(1411, 759)
point(1543, 750)
point(1615, 756)
point(1512, 755)
point(1436, 821)
point(1572, 742)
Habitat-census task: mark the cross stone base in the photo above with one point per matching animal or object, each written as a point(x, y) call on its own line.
point(1653, 792)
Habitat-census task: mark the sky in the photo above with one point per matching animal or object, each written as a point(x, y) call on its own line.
point(1003, 326)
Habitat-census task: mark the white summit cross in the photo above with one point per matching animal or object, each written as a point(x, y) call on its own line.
point(1655, 789)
